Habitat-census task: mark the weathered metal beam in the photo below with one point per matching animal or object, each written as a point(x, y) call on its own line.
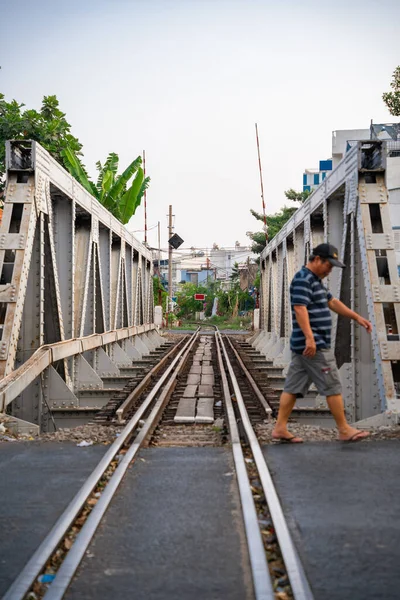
point(15, 383)
point(351, 210)
point(69, 271)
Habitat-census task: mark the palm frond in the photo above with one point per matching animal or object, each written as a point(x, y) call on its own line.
point(121, 182)
point(128, 202)
point(100, 176)
point(106, 184)
point(77, 170)
point(112, 163)
point(143, 188)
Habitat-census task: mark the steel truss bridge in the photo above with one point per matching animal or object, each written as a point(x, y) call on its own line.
point(76, 291)
point(351, 210)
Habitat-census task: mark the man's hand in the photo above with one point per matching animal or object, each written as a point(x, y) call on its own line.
point(310, 348)
point(364, 323)
point(341, 309)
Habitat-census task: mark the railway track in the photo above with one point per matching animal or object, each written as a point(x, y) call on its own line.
point(168, 408)
point(269, 379)
point(145, 373)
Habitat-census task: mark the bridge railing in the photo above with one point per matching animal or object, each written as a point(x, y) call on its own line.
point(68, 270)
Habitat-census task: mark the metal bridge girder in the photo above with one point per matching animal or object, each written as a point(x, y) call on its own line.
point(68, 269)
point(351, 210)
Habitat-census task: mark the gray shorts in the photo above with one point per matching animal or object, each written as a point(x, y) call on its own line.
point(320, 369)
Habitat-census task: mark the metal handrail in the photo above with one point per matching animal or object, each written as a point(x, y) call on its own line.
point(16, 382)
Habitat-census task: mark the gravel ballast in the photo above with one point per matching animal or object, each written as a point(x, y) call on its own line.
point(106, 434)
point(314, 433)
point(92, 434)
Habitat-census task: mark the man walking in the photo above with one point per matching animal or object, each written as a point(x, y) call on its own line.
point(310, 342)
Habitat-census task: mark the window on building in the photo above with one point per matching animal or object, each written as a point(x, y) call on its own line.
point(325, 165)
point(316, 178)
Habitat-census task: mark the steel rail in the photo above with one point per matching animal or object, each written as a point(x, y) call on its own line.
point(142, 386)
point(74, 557)
point(263, 588)
point(297, 577)
point(253, 384)
point(22, 584)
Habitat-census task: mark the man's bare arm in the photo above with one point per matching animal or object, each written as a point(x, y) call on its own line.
point(341, 309)
point(303, 320)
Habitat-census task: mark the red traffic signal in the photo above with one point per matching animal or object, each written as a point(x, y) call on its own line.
point(199, 296)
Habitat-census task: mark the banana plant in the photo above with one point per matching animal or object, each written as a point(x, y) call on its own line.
point(77, 170)
point(120, 194)
point(107, 174)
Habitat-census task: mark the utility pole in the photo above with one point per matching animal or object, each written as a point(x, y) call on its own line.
point(159, 267)
point(159, 250)
point(145, 201)
point(169, 309)
point(262, 187)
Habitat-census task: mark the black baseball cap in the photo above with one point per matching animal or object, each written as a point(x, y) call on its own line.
point(329, 252)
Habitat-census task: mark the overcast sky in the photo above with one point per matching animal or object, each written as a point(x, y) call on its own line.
point(187, 80)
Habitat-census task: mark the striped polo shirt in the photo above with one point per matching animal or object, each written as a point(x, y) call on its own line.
point(307, 290)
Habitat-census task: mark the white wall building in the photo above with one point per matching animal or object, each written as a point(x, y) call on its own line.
point(340, 139)
point(199, 266)
point(313, 177)
point(224, 259)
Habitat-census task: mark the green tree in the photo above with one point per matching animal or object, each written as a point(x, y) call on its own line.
point(47, 126)
point(235, 275)
point(234, 298)
point(259, 241)
point(159, 290)
point(228, 299)
point(392, 99)
point(187, 305)
point(120, 194)
point(111, 189)
point(297, 196)
point(276, 221)
point(212, 288)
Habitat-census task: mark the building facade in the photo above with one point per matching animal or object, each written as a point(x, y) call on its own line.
point(201, 267)
point(313, 177)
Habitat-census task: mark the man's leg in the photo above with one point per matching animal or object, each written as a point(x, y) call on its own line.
point(298, 380)
point(286, 405)
point(324, 372)
point(346, 431)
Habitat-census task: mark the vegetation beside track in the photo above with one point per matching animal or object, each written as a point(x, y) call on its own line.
point(222, 322)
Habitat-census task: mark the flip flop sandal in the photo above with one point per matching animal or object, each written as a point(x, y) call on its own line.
point(356, 437)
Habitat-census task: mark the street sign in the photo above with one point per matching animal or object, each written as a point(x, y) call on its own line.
point(200, 296)
point(175, 241)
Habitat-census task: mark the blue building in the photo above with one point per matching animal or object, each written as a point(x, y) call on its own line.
point(196, 276)
point(313, 177)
